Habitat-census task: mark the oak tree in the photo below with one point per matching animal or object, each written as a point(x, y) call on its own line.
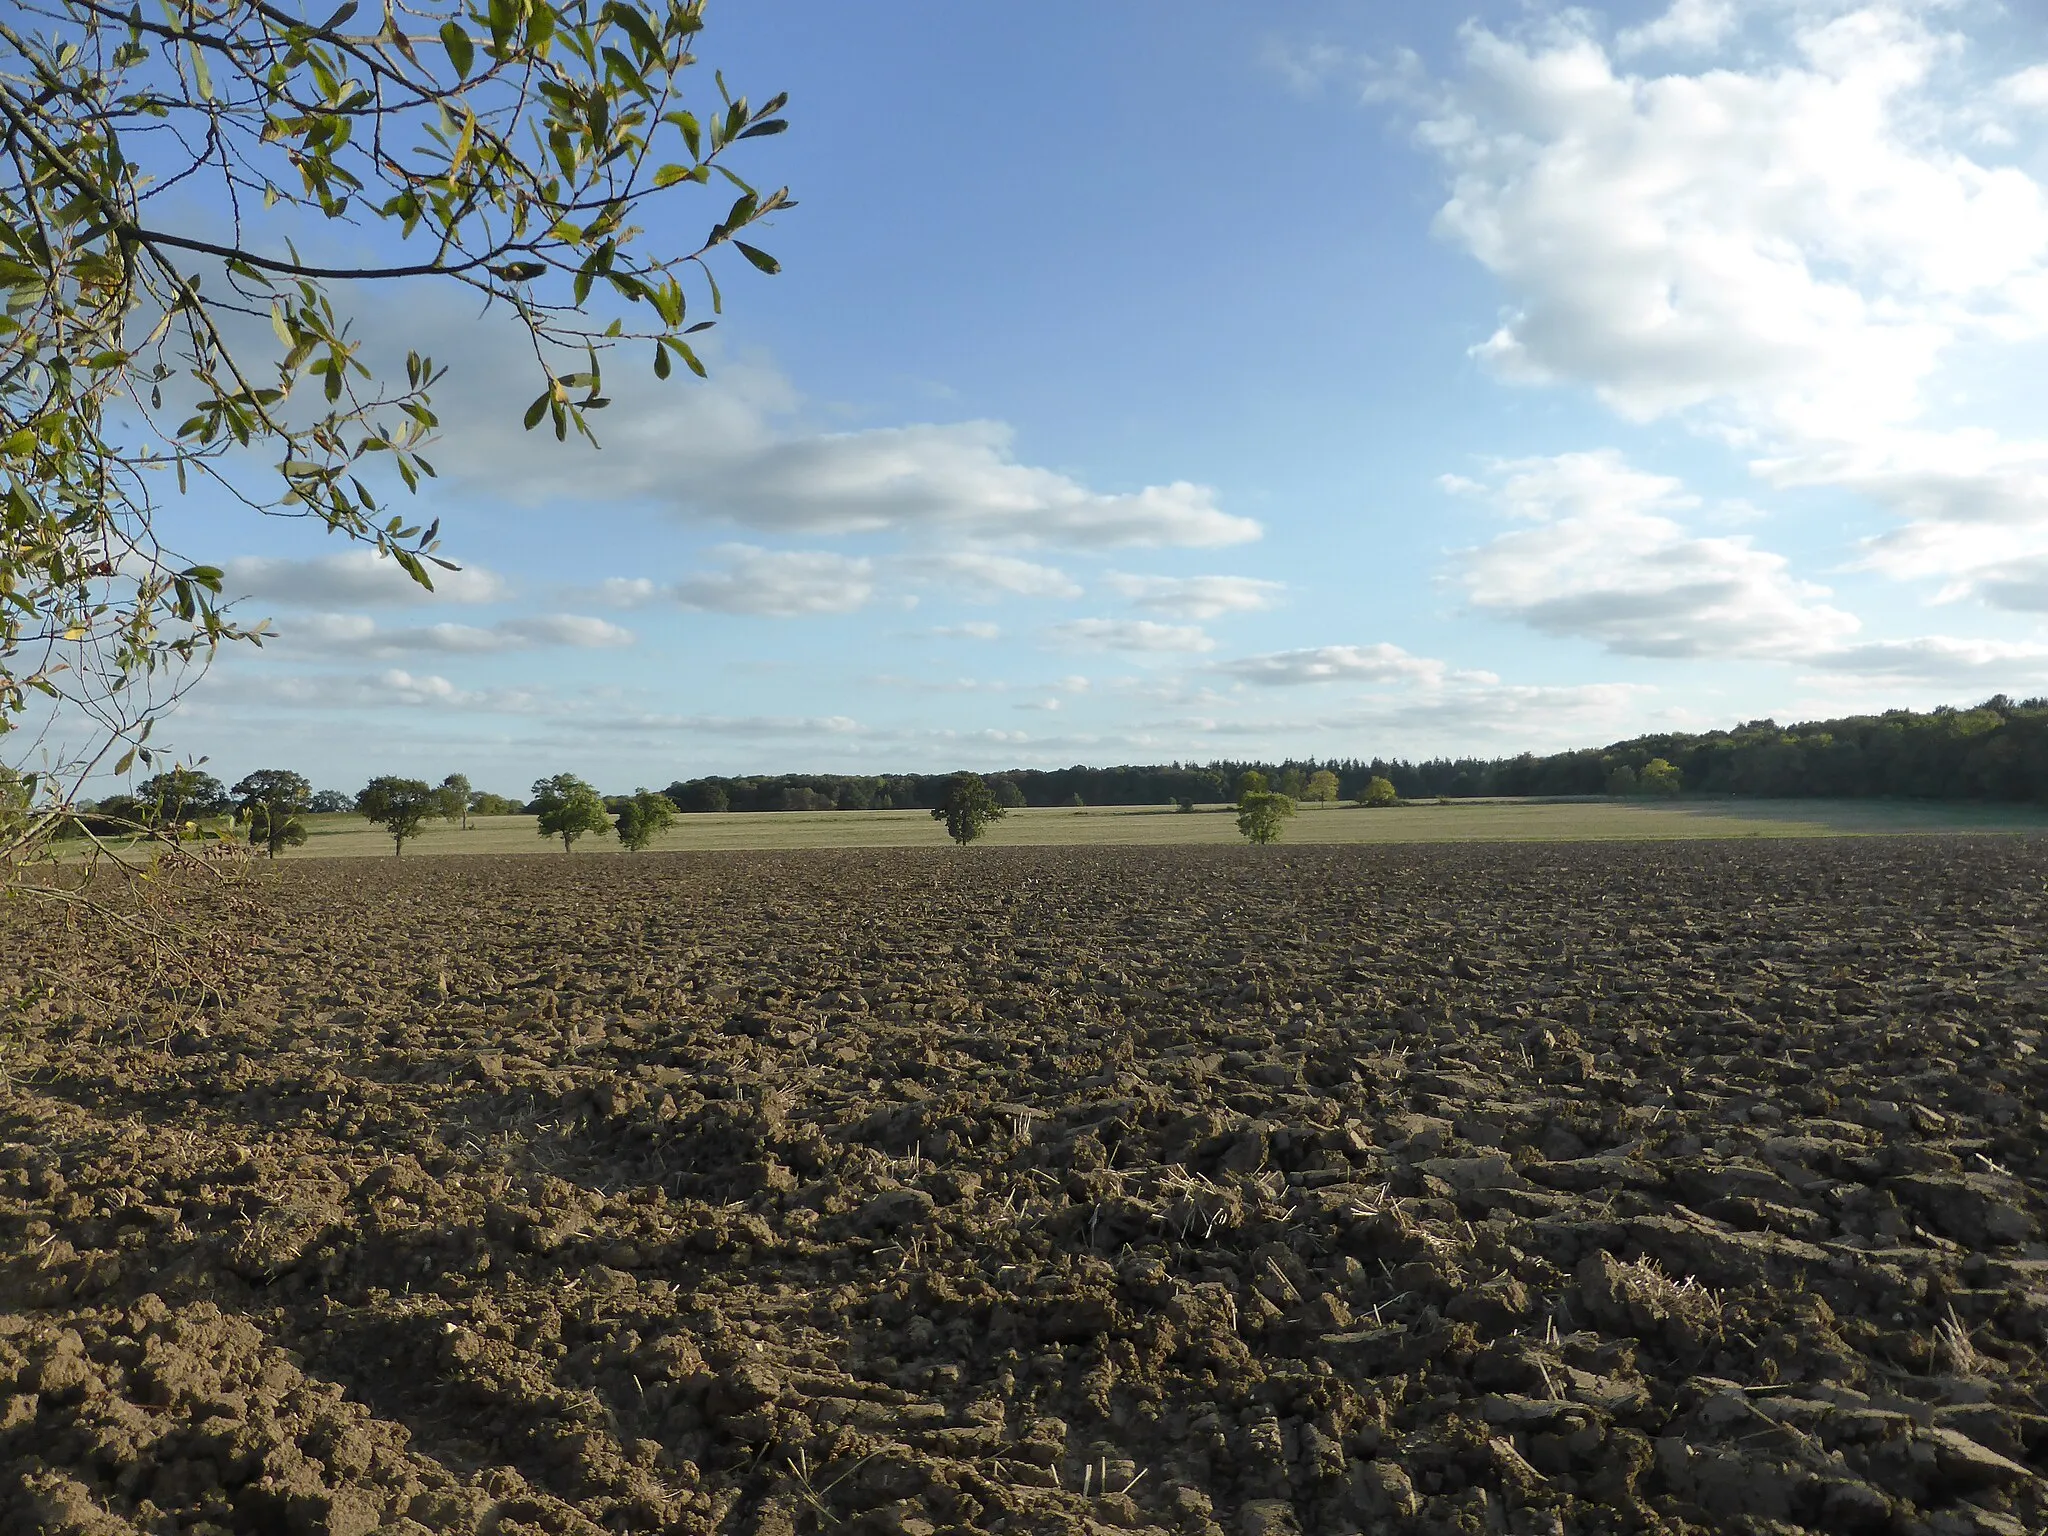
point(568, 808)
point(644, 818)
point(968, 808)
point(400, 806)
point(273, 800)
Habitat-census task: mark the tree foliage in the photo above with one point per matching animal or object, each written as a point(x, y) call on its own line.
point(1657, 777)
point(160, 331)
point(1261, 813)
point(644, 818)
point(400, 806)
point(969, 808)
point(455, 795)
point(568, 808)
point(273, 800)
point(484, 803)
point(182, 794)
point(1378, 793)
point(1321, 787)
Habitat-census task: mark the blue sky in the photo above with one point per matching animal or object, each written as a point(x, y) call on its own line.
point(1153, 382)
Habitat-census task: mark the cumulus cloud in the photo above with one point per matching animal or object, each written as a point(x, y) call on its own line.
point(1801, 248)
point(1605, 560)
point(1197, 597)
point(977, 576)
point(737, 450)
point(1380, 663)
point(352, 578)
point(1690, 25)
point(358, 634)
point(779, 583)
point(2026, 88)
point(1785, 244)
point(1142, 635)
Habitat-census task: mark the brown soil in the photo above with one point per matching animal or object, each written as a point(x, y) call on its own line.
point(1538, 1189)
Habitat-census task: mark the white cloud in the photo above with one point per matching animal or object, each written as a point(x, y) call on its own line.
point(626, 591)
point(779, 583)
point(736, 451)
point(1690, 25)
point(1937, 659)
point(1607, 562)
point(766, 727)
point(1129, 635)
point(2019, 586)
point(976, 576)
point(352, 578)
point(1197, 597)
point(1380, 663)
point(975, 630)
point(325, 693)
point(360, 635)
point(2026, 88)
point(1791, 248)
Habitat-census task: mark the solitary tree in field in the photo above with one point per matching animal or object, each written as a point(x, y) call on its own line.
point(173, 173)
point(569, 808)
point(1378, 792)
point(274, 799)
point(1261, 813)
point(968, 808)
point(400, 806)
point(644, 818)
point(1321, 787)
point(455, 793)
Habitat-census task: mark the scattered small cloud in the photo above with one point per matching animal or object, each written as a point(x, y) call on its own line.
point(360, 635)
point(779, 583)
point(1380, 663)
point(1196, 597)
point(355, 578)
point(976, 576)
point(1142, 635)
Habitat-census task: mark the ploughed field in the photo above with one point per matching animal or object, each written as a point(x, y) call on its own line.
point(1550, 1188)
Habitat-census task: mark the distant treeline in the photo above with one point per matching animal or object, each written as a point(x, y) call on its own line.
point(1997, 751)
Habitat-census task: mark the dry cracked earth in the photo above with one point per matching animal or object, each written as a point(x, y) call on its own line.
point(1533, 1189)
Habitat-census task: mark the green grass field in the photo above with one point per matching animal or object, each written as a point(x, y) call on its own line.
point(348, 836)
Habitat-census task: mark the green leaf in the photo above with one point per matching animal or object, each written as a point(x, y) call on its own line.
point(758, 257)
point(461, 52)
point(681, 349)
point(669, 175)
point(538, 409)
point(762, 129)
point(661, 363)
